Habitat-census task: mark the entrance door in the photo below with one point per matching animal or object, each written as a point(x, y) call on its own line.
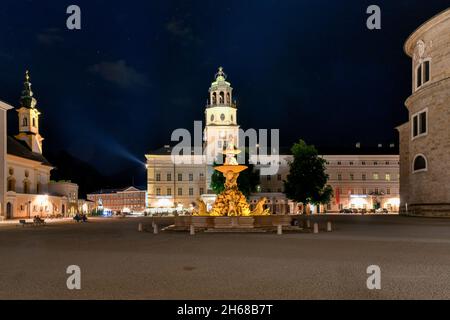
point(9, 210)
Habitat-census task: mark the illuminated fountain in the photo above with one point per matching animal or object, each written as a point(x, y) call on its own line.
point(231, 202)
point(231, 211)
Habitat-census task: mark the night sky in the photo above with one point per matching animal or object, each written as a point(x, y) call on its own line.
point(137, 70)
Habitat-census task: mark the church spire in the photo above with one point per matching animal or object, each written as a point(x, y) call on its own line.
point(26, 99)
point(29, 118)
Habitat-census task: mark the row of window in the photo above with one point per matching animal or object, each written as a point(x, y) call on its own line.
point(179, 176)
point(363, 191)
point(363, 163)
point(278, 177)
point(222, 117)
point(11, 186)
point(180, 191)
point(25, 122)
point(220, 98)
point(375, 176)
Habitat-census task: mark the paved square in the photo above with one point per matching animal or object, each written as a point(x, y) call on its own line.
point(118, 262)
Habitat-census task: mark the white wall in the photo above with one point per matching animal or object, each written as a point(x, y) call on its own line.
point(3, 108)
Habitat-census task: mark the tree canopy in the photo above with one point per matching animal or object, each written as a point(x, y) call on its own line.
point(307, 179)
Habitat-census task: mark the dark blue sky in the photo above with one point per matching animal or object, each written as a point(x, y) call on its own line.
point(139, 69)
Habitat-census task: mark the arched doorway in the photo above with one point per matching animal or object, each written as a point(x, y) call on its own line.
point(9, 210)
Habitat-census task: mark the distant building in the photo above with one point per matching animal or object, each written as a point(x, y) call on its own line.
point(425, 138)
point(128, 200)
point(26, 174)
point(362, 180)
point(86, 206)
point(66, 189)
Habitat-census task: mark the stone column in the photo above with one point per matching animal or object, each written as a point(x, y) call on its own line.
point(3, 143)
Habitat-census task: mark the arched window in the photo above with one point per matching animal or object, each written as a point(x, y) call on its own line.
point(24, 122)
point(228, 98)
point(420, 163)
point(214, 98)
point(34, 122)
point(222, 97)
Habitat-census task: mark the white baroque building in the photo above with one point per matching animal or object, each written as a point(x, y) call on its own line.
point(25, 172)
point(360, 179)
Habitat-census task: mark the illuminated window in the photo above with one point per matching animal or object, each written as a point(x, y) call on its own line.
point(388, 177)
point(376, 176)
point(25, 122)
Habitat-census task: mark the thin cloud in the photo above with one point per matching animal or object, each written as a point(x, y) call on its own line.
point(119, 73)
point(50, 36)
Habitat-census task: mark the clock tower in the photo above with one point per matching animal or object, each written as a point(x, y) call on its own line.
point(221, 119)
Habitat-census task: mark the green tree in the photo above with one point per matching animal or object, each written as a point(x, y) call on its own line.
point(247, 181)
point(307, 180)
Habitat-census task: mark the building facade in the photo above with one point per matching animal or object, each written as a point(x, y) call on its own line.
point(425, 138)
point(127, 200)
point(26, 172)
point(3, 143)
point(66, 189)
point(362, 181)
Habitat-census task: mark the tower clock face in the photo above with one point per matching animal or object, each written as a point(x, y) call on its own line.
point(222, 117)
